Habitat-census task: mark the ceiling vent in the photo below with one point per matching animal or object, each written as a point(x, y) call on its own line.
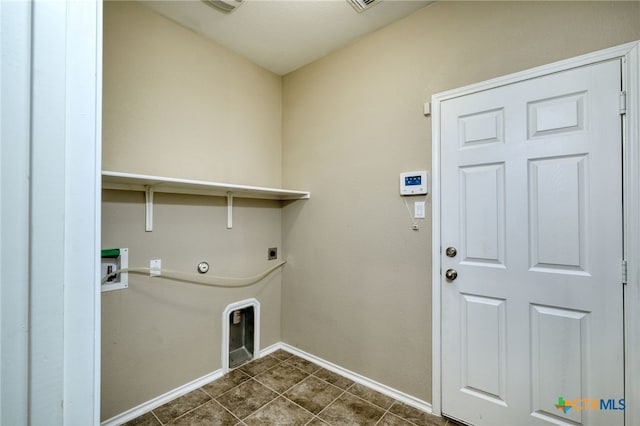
point(361, 5)
point(227, 6)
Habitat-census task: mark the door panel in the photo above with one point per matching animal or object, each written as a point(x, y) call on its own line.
point(484, 127)
point(482, 214)
point(558, 214)
point(483, 335)
point(532, 200)
point(557, 371)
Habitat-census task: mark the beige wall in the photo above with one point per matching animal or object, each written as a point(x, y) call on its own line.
point(357, 288)
point(177, 105)
point(160, 334)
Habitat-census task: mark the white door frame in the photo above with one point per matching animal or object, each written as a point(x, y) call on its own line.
point(50, 186)
point(630, 55)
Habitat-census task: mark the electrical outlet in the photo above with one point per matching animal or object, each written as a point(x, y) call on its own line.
point(272, 253)
point(155, 267)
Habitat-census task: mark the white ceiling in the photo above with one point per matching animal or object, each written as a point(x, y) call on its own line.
point(283, 35)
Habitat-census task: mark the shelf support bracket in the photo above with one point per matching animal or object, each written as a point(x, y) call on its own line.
point(148, 209)
point(229, 210)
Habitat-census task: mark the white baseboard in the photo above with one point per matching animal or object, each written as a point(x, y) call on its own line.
point(145, 407)
point(271, 349)
point(383, 389)
point(197, 383)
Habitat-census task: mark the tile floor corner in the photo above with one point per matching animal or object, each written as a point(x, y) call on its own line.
point(284, 389)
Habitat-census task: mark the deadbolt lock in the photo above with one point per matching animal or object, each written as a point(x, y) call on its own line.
point(451, 252)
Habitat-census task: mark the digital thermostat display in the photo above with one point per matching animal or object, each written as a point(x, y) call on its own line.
point(413, 183)
point(413, 180)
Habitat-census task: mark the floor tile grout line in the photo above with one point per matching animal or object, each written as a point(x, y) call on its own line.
point(334, 400)
point(289, 353)
point(295, 384)
point(203, 390)
point(380, 419)
point(269, 369)
point(212, 398)
point(346, 390)
point(398, 415)
point(217, 402)
point(292, 401)
point(371, 403)
point(229, 411)
point(310, 373)
point(263, 358)
point(321, 368)
point(289, 363)
point(315, 417)
point(295, 403)
point(286, 399)
point(388, 411)
point(282, 393)
point(230, 389)
point(156, 417)
point(194, 408)
point(254, 411)
point(298, 405)
point(240, 371)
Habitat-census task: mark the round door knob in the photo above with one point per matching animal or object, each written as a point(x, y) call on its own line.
point(451, 274)
point(451, 252)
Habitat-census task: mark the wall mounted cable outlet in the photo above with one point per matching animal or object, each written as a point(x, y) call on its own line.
point(155, 267)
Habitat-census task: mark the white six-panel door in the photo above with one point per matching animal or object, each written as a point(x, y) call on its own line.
point(531, 199)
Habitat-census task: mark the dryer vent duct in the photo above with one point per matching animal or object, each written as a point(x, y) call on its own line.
point(362, 5)
point(226, 6)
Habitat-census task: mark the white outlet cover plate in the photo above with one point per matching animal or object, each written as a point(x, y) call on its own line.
point(155, 267)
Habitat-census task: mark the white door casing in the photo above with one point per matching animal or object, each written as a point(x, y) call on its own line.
point(515, 274)
point(50, 212)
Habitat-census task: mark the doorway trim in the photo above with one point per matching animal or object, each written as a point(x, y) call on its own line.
point(629, 53)
point(50, 207)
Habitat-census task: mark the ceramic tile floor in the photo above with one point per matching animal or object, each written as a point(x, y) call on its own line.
point(284, 389)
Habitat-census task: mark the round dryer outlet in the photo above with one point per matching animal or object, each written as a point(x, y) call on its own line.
point(203, 267)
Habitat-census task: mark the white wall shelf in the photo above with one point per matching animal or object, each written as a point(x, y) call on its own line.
point(151, 184)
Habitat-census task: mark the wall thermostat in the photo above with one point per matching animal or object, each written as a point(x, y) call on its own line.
point(414, 183)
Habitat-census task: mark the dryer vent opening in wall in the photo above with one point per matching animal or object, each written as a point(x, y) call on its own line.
point(241, 333)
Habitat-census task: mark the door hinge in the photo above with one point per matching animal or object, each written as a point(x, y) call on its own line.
point(623, 102)
point(624, 272)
